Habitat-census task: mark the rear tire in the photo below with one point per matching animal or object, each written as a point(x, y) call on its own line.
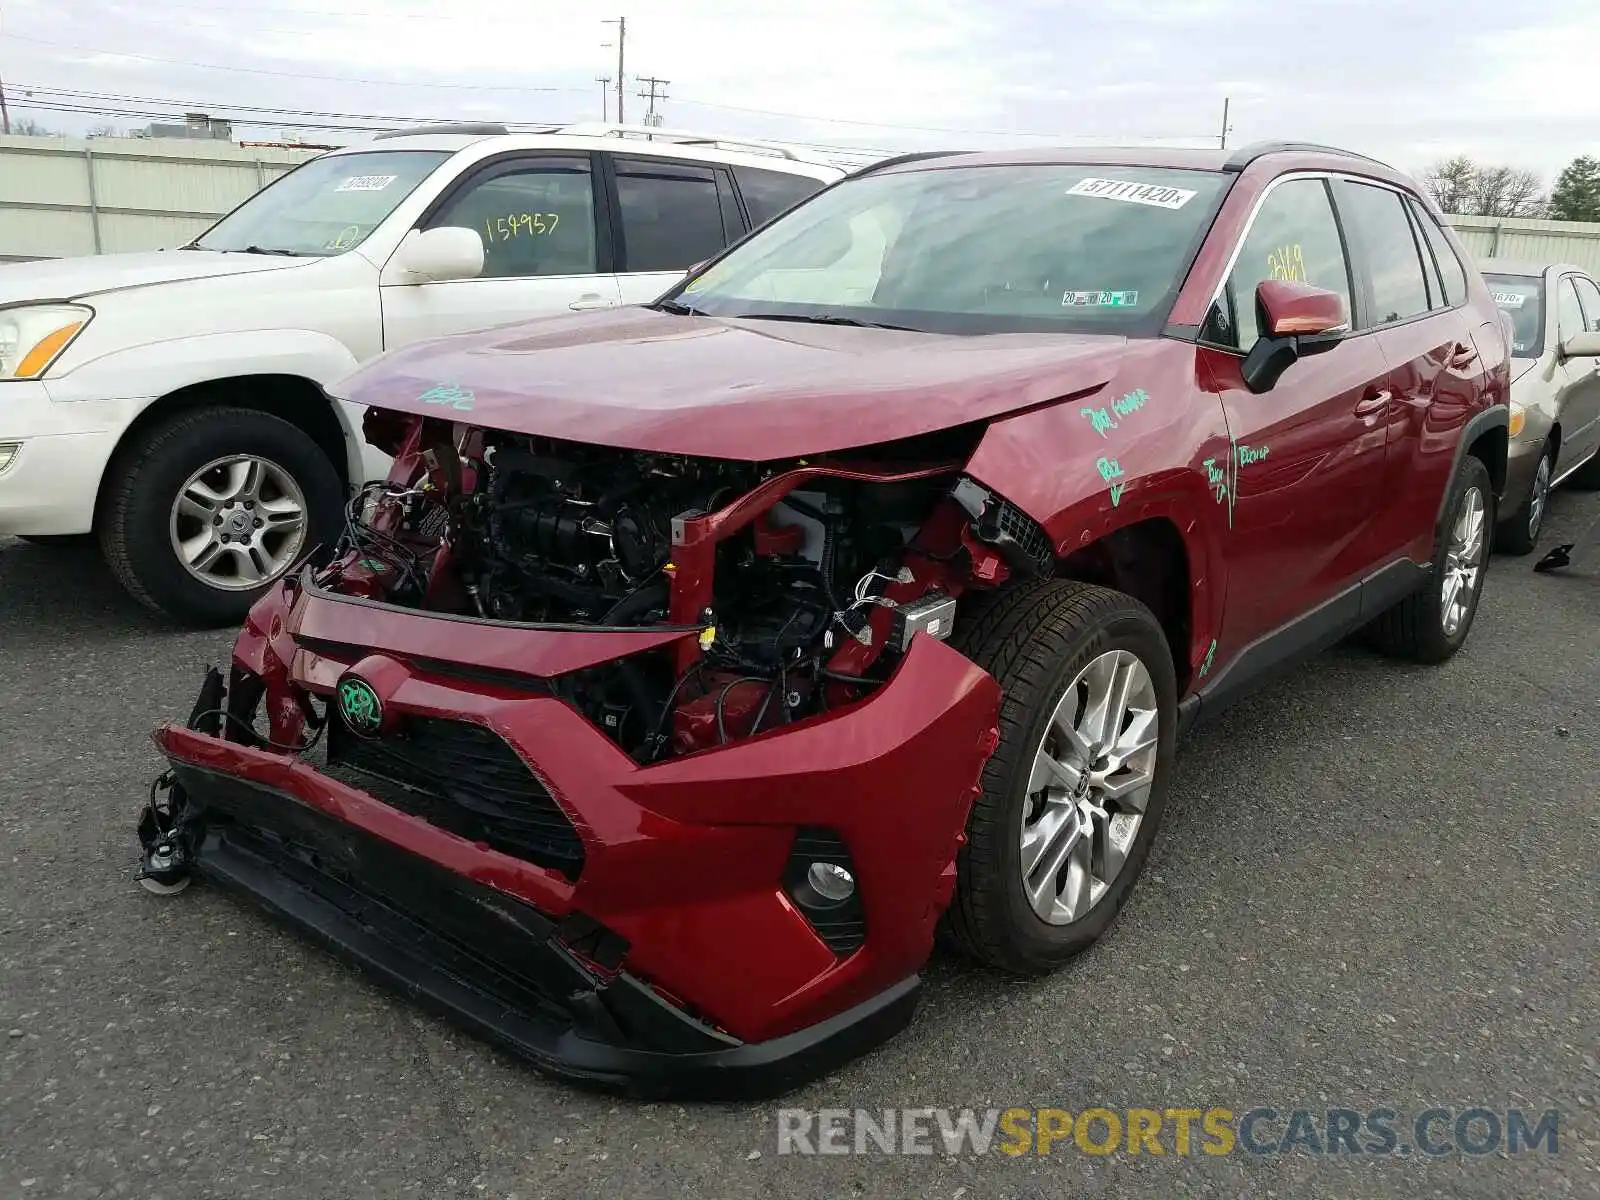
point(1519, 532)
point(208, 453)
point(1048, 642)
point(1424, 627)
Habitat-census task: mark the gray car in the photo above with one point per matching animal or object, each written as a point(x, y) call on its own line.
point(1554, 311)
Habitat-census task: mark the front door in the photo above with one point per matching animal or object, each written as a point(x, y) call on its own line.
point(1578, 308)
point(546, 251)
point(1301, 474)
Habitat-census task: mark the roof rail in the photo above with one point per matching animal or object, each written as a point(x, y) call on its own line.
point(1245, 155)
point(465, 128)
point(680, 137)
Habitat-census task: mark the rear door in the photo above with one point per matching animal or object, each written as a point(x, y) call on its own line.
point(1578, 307)
point(668, 215)
point(1302, 477)
point(1435, 376)
point(546, 250)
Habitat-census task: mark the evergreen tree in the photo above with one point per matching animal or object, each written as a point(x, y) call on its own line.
point(1576, 196)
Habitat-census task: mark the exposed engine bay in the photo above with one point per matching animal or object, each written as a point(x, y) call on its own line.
point(796, 584)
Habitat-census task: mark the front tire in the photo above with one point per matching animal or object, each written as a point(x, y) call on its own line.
point(1432, 623)
point(203, 512)
point(1073, 795)
point(1519, 532)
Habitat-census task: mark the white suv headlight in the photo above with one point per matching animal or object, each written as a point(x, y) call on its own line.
point(34, 335)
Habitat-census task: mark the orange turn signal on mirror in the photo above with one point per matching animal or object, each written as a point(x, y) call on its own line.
point(45, 349)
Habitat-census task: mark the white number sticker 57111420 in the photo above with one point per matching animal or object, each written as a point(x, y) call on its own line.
point(1155, 195)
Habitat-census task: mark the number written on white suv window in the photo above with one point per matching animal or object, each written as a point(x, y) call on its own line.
point(535, 219)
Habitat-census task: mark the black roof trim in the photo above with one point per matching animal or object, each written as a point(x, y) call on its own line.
point(465, 128)
point(913, 156)
point(1245, 155)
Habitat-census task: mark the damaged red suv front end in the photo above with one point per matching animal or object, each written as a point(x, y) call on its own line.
point(652, 768)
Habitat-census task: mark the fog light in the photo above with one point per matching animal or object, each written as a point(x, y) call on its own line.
point(8, 451)
point(831, 881)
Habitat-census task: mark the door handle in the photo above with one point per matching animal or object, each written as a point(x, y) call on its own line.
point(1375, 400)
point(591, 303)
point(1462, 356)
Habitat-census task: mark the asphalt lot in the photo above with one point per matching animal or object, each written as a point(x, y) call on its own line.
point(1377, 886)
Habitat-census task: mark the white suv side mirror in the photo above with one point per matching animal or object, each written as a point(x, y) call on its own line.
point(437, 255)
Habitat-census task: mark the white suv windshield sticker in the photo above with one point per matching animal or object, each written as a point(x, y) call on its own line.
point(1155, 195)
point(1509, 299)
point(366, 183)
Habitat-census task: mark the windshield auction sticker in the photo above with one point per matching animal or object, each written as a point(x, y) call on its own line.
point(366, 183)
point(1100, 300)
point(1155, 195)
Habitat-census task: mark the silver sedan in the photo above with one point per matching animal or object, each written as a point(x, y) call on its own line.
point(1554, 311)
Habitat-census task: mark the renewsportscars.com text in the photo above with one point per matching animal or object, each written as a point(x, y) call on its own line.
point(1431, 1132)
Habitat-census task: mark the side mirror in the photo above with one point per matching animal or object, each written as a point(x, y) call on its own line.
point(1295, 320)
point(437, 255)
point(1582, 345)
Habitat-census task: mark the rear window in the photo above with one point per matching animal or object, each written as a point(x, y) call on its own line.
point(1521, 297)
point(768, 194)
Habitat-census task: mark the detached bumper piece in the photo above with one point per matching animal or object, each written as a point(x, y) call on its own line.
point(487, 960)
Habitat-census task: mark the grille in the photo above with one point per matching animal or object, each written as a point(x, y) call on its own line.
point(463, 778)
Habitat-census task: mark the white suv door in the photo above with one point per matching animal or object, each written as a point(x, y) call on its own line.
point(546, 250)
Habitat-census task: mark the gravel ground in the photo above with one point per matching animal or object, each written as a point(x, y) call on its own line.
point(1376, 888)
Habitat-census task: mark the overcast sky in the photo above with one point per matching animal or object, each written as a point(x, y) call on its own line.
point(1410, 81)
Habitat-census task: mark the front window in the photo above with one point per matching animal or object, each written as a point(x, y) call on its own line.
point(986, 249)
point(325, 207)
point(1521, 297)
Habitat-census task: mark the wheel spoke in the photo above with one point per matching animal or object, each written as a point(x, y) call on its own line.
point(1143, 731)
point(1041, 881)
point(207, 555)
point(199, 501)
point(1109, 857)
point(1048, 771)
point(1452, 588)
point(1043, 834)
point(1062, 720)
point(1131, 789)
point(1076, 896)
point(260, 564)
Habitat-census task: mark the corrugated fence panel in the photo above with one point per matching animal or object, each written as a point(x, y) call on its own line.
point(1533, 241)
point(144, 194)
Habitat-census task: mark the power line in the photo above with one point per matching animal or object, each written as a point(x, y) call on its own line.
point(237, 70)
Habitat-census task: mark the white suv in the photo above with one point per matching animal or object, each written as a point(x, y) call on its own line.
point(172, 402)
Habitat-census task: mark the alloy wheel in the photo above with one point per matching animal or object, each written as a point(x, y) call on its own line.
point(1463, 563)
point(1091, 781)
point(238, 522)
point(1539, 498)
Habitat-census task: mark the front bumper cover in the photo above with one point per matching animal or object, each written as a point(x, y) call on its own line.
point(714, 983)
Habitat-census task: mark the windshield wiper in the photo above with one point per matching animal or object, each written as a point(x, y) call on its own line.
point(677, 309)
point(826, 319)
point(269, 250)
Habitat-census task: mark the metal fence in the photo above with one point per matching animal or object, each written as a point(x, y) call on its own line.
point(1532, 241)
point(61, 197)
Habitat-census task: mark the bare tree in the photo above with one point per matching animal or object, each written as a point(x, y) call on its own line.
point(1451, 183)
point(1460, 185)
point(104, 131)
point(1508, 192)
point(28, 127)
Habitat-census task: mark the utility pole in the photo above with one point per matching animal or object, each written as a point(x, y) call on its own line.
point(5, 117)
point(605, 82)
point(657, 91)
point(622, 36)
point(1225, 125)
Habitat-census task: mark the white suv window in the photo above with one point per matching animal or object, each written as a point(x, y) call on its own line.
point(536, 217)
point(671, 216)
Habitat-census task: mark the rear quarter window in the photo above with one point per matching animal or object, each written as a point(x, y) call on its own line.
point(768, 194)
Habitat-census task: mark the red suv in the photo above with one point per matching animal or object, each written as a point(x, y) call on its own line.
point(697, 662)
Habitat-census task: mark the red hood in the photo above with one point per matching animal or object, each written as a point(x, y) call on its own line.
point(756, 390)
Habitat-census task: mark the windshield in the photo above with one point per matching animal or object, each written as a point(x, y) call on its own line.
point(1521, 297)
point(325, 207)
point(984, 249)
